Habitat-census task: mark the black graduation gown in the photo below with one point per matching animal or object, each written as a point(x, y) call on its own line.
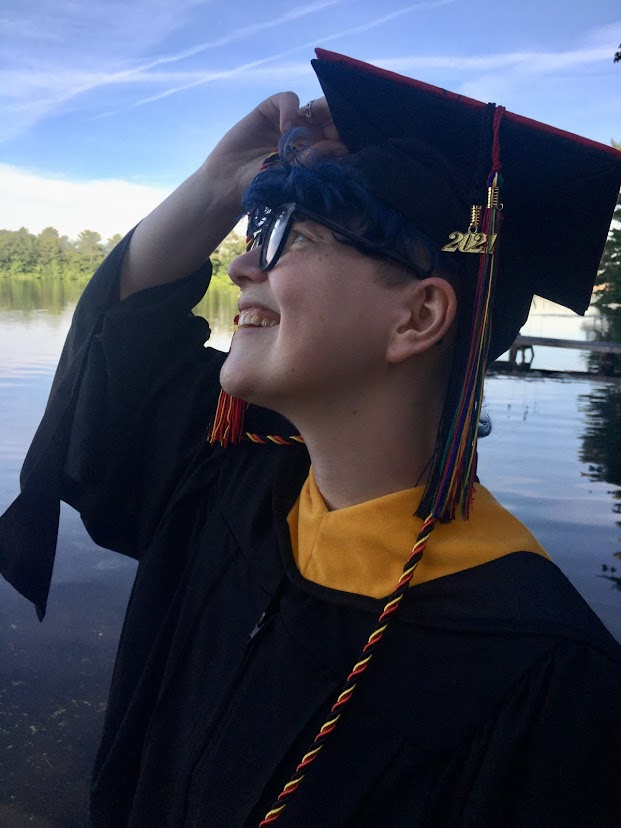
point(495, 700)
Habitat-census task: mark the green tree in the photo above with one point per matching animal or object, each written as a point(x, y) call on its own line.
point(18, 251)
point(112, 243)
point(90, 251)
point(51, 253)
point(232, 246)
point(608, 282)
point(608, 297)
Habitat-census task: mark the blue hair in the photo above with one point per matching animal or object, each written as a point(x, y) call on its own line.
point(335, 189)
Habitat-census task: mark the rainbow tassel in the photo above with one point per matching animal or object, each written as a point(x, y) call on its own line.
point(459, 459)
point(454, 472)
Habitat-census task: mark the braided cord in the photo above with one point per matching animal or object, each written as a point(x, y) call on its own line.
point(347, 690)
point(276, 439)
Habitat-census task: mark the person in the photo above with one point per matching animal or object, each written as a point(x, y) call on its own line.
point(333, 623)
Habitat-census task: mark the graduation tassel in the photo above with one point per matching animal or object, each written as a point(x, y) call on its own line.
point(459, 459)
point(452, 479)
point(228, 421)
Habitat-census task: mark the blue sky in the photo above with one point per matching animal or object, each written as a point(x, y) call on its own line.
point(106, 105)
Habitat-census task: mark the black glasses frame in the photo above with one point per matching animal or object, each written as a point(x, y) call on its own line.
point(288, 212)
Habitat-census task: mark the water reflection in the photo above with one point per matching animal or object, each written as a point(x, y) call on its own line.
point(219, 306)
point(55, 299)
point(601, 451)
point(606, 329)
point(534, 463)
point(615, 579)
point(28, 295)
point(601, 441)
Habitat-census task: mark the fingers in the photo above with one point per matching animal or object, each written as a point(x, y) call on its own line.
point(316, 114)
point(282, 112)
point(289, 105)
point(278, 113)
point(324, 149)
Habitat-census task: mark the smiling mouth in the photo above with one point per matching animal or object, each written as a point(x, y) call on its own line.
point(257, 318)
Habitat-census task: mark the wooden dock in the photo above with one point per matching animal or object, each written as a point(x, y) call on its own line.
point(522, 352)
point(576, 344)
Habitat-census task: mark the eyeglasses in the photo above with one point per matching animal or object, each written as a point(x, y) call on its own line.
point(272, 238)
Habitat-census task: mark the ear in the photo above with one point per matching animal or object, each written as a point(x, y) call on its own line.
point(426, 313)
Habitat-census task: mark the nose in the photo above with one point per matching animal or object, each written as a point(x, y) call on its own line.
point(245, 268)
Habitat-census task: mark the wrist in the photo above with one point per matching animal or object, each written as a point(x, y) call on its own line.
point(221, 187)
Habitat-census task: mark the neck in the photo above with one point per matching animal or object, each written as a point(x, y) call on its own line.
point(376, 446)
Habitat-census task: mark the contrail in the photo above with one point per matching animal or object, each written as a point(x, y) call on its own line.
point(209, 77)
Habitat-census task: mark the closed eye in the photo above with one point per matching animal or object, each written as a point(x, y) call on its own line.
point(296, 237)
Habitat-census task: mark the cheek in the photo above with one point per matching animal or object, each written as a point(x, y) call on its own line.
point(333, 317)
point(341, 339)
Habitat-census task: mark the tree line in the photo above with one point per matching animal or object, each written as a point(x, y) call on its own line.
point(49, 255)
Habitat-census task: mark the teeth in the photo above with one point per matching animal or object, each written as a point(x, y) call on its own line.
point(255, 318)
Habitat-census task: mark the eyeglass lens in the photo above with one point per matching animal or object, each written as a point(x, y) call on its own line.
point(276, 237)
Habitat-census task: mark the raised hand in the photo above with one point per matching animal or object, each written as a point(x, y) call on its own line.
point(238, 156)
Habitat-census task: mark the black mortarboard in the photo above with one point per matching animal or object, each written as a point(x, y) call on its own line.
point(427, 152)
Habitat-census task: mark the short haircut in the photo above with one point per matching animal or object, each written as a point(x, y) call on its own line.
point(335, 189)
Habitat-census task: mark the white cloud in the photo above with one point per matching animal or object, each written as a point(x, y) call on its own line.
point(108, 206)
point(46, 80)
point(485, 71)
point(37, 91)
point(251, 71)
point(595, 48)
point(52, 52)
point(249, 30)
point(55, 54)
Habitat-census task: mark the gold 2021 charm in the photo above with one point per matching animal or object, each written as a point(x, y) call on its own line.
point(470, 242)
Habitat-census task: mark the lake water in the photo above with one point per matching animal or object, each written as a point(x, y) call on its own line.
point(553, 458)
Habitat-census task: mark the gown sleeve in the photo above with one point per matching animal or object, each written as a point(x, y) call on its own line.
point(131, 372)
point(553, 756)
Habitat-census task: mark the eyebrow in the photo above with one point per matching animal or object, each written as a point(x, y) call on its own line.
point(318, 228)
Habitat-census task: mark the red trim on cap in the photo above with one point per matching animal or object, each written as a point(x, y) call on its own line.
point(595, 146)
point(529, 123)
point(352, 63)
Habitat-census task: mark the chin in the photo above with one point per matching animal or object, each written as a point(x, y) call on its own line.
point(233, 381)
point(242, 383)
point(249, 389)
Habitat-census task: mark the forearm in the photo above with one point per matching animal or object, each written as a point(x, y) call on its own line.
point(180, 234)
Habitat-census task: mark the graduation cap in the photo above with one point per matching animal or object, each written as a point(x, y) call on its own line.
point(428, 153)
